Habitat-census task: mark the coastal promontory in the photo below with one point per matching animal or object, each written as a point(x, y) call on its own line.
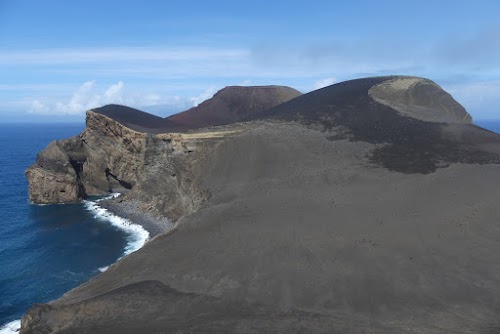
point(363, 207)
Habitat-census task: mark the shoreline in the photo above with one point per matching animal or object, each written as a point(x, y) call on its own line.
point(11, 327)
point(131, 211)
point(127, 216)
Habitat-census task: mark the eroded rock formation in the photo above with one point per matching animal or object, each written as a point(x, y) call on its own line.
point(124, 148)
point(159, 170)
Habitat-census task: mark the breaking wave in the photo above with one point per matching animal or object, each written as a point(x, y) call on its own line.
point(137, 235)
point(11, 327)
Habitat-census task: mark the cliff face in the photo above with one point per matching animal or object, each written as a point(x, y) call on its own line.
point(102, 159)
point(333, 212)
point(109, 157)
point(55, 177)
point(124, 148)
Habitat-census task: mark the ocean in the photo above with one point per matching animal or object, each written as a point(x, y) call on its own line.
point(492, 125)
point(47, 250)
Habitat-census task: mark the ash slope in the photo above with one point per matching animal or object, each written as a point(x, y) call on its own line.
point(304, 228)
point(416, 124)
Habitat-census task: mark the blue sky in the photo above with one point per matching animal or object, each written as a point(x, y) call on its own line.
point(60, 58)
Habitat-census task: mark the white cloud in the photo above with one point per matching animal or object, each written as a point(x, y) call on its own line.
point(84, 98)
point(39, 107)
point(142, 63)
point(116, 55)
point(89, 96)
point(480, 99)
point(114, 93)
point(324, 82)
point(187, 71)
point(246, 82)
point(207, 94)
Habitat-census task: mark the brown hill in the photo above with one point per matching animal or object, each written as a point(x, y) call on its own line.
point(229, 105)
point(233, 104)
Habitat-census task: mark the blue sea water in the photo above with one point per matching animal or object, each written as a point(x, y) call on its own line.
point(492, 125)
point(47, 250)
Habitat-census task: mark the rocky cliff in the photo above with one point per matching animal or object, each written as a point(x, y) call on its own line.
point(104, 158)
point(348, 209)
point(124, 149)
point(107, 157)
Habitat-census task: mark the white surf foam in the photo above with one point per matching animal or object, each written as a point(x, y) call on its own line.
point(103, 269)
point(12, 327)
point(137, 235)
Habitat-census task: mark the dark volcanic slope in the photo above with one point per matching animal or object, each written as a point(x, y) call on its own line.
point(233, 104)
point(230, 105)
point(410, 144)
point(136, 119)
